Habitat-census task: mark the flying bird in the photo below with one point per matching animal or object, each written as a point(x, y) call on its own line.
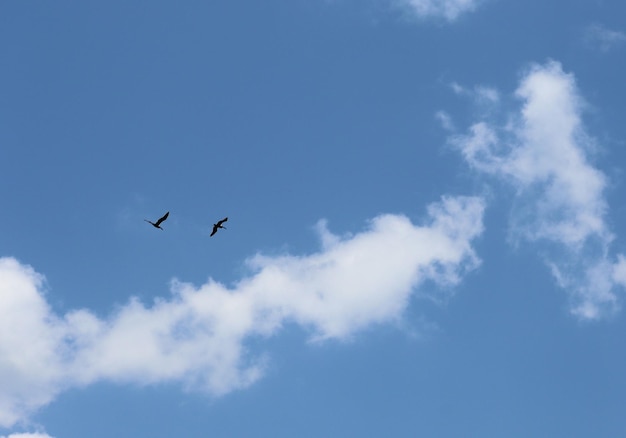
point(157, 224)
point(218, 225)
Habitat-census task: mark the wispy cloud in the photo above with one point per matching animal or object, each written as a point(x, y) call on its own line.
point(445, 120)
point(597, 35)
point(480, 93)
point(199, 335)
point(27, 435)
point(544, 152)
point(447, 9)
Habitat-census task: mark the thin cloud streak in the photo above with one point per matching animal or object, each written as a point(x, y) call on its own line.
point(543, 151)
point(199, 336)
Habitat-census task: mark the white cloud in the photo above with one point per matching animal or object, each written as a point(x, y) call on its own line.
point(448, 9)
point(543, 151)
point(199, 335)
point(599, 36)
point(30, 361)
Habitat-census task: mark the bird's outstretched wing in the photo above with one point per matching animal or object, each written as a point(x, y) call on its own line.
point(218, 225)
point(162, 219)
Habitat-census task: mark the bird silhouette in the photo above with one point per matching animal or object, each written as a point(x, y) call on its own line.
point(157, 224)
point(218, 225)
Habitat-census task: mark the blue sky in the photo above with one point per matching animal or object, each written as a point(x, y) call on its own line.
point(425, 211)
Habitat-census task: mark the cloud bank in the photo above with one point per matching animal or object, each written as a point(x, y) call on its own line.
point(543, 151)
point(198, 335)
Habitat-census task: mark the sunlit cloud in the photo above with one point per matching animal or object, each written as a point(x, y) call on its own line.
point(199, 336)
point(544, 152)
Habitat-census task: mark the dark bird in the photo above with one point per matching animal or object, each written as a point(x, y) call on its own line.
point(158, 223)
point(218, 225)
